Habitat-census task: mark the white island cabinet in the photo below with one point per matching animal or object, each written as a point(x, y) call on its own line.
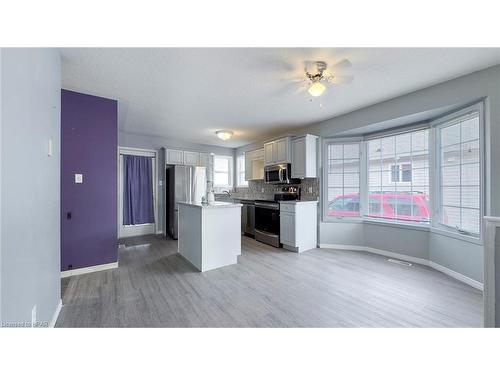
point(210, 234)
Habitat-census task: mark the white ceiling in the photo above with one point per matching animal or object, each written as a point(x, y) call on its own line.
point(189, 93)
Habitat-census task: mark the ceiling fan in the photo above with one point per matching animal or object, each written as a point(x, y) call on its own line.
point(318, 74)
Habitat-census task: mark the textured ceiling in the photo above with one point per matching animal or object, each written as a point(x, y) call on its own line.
point(189, 93)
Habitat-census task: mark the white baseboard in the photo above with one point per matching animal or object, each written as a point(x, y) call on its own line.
point(81, 271)
point(56, 315)
point(389, 254)
point(465, 279)
point(159, 232)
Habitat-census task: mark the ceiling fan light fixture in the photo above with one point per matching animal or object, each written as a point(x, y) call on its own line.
point(316, 89)
point(224, 134)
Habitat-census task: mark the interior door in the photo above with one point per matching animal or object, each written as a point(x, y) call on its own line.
point(139, 229)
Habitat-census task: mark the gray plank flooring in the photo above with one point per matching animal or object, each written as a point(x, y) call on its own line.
point(269, 287)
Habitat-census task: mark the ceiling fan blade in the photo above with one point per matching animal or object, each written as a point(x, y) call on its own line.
point(294, 79)
point(340, 79)
point(341, 64)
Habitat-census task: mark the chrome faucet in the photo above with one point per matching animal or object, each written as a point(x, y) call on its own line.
point(227, 192)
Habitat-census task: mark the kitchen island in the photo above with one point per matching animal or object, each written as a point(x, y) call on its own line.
point(210, 234)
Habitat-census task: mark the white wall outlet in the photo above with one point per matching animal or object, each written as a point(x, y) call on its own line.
point(160, 182)
point(78, 178)
point(49, 148)
point(33, 316)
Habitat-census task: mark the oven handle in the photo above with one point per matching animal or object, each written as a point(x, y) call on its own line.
point(271, 206)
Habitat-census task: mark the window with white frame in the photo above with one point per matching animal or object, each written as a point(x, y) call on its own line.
point(392, 179)
point(240, 171)
point(343, 179)
point(398, 177)
point(459, 168)
point(223, 171)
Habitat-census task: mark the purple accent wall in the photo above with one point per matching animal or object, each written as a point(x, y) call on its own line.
point(89, 141)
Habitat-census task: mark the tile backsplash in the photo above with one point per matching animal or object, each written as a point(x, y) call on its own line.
point(259, 190)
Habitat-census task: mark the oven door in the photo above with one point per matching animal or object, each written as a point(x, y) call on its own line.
point(267, 219)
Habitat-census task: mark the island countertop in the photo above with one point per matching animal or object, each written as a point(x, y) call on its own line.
point(212, 205)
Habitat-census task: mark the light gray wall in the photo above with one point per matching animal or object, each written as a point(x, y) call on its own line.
point(411, 242)
point(30, 190)
point(160, 143)
point(468, 257)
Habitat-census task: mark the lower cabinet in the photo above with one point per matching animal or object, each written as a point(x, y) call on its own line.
point(287, 228)
point(299, 225)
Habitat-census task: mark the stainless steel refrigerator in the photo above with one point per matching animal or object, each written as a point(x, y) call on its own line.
point(183, 184)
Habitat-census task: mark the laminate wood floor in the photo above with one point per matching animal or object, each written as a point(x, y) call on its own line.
point(269, 287)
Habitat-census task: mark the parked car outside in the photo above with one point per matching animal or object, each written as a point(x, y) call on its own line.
point(384, 205)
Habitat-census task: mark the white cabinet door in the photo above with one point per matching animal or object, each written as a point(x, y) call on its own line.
point(287, 228)
point(174, 156)
point(281, 150)
point(269, 153)
point(204, 160)
point(191, 158)
point(299, 158)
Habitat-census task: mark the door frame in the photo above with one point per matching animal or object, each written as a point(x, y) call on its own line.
point(138, 152)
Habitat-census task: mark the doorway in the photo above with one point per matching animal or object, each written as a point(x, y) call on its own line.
point(137, 192)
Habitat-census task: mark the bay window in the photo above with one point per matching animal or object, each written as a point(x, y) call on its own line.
point(459, 167)
point(398, 184)
point(388, 177)
point(343, 179)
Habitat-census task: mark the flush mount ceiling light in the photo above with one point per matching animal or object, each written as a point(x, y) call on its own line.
point(224, 134)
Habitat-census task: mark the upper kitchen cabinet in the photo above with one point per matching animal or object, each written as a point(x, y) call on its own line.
point(174, 156)
point(304, 156)
point(277, 152)
point(254, 165)
point(181, 157)
point(191, 158)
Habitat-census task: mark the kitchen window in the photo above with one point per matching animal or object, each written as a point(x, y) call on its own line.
point(398, 178)
point(223, 171)
point(240, 171)
point(459, 170)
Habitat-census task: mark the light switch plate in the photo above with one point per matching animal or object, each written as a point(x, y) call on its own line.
point(78, 178)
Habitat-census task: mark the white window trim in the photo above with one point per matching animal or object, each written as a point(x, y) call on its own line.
point(436, 201)
point(433, 176)
point(238, 171)
point(230, 172)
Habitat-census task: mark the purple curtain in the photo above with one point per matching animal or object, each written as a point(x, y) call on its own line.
point(138, 190)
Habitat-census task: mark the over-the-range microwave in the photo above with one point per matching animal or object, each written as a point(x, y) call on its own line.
point(279, 174)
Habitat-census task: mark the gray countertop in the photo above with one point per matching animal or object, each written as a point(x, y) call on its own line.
point(212, 205)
